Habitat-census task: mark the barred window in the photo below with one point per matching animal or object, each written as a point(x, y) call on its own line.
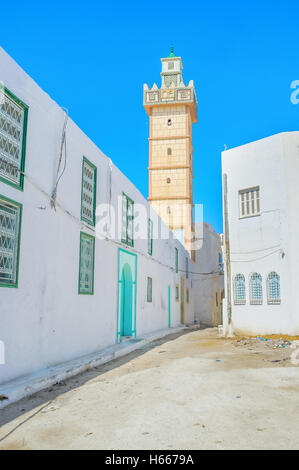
point(10, 226)
point(88, 196)
point(13, 126)
point(249, 200)
point(149, 289)
point(127, 235)
point(256, 289)
point(169, 152)
point(273, 288)
point(86, 267)
point(150, 237)
point(239, 289)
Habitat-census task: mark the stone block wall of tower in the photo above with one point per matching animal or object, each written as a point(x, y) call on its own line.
point(172, 110)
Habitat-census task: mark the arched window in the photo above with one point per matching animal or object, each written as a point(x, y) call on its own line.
point(239, 289)
point(273, 288)
point(256, 289)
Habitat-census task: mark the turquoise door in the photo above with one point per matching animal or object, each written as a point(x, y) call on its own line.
point(126, 301)
point(169, 307)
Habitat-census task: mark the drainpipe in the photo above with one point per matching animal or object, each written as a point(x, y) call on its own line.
point(227, 256)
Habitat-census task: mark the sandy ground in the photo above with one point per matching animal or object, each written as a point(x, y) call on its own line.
point(191, 390)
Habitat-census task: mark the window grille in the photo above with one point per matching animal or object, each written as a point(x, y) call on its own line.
point(86, 268)
point(10, 223)
point(13, 125)
point(127, 221)
point(256, 289)
point(239, 289)
point(273, 288)
point(149, 289)
point(88, 199)
point(249, 200)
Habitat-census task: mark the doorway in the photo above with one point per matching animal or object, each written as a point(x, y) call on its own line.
point(127, 292)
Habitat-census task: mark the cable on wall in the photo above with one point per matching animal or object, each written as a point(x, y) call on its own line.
point(62, 151)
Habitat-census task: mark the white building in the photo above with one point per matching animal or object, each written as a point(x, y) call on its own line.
point(208, 282)
point(263, 226)
point(65, 290)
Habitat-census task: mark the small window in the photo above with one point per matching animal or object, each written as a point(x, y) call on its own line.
point(13, 127)
point(150, 237)
point(169, 151)
point(168, 180)
point(86, 265)
point(10, 227)
point(187, 268)
point(239, 289)
point(88, 194)
point(177, 292)
point(187, 296)
point(216, 299)
point(249, 201)
point(149, 289)
point(169, 122)
point(127, 235)
point(176, 254)
point(170, 65)
point(273, 288)
point(168, 210)
point(256, 289)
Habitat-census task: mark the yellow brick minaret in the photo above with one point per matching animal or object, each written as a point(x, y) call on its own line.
point(172, 109)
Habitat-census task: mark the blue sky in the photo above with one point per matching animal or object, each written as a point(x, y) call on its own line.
point(93, 57)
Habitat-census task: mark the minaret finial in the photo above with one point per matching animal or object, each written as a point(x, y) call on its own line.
point(172, 54)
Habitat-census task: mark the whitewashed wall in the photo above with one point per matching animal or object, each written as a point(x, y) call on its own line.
point(44, 321)
point(267, 242)
point(208, 286)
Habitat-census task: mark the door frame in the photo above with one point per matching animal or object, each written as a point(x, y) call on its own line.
point(124, 257)
point(182, 305)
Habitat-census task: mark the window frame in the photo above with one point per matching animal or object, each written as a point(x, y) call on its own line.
point(87, 235)
point(269, 300)
point(252, 300)
point(84, 219)
point(249, 191)
point(176, 259)
point(125, 240)
point(177, 293)
point(149, 298)
point(150, 231)
point(25, 108)
point(236, 300)
point(14, 285)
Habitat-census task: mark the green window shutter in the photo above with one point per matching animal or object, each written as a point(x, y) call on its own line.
point(127, 232)
point(187, 268)
point(150, 237)
point(130, 223)
point(10, 224)
point(86, 267)
point(176, 260)
point(149, 289)
point(13, 128)
point(88, 194)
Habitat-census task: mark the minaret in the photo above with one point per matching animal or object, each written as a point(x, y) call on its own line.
point(172, 109)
